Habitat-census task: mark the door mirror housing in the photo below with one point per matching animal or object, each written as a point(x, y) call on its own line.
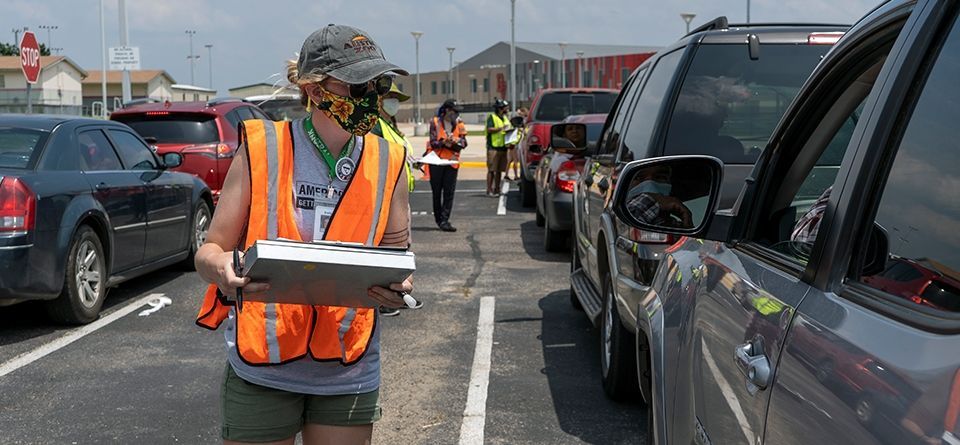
point(172, 160)
point(569, 138)
point(677, 195)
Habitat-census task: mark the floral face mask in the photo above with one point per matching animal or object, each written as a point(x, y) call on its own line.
point(356, 116)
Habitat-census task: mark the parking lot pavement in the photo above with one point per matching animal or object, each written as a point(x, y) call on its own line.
point(155, 378)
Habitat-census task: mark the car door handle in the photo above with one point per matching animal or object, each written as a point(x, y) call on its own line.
point(753, 363)
point(101, 186)
point(603, 185)
point(588, 180)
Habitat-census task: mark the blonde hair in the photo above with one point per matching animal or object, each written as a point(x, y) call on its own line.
point(295, 78)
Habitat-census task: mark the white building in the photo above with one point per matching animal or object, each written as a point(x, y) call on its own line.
point(57, 91)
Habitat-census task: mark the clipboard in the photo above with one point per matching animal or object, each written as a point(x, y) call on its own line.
point(324, 273)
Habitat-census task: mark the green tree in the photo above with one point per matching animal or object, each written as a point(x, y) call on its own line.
point(11, 49)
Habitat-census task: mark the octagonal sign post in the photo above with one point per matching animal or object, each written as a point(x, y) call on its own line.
point(30, 63)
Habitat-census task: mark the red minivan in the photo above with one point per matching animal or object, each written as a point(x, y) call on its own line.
point(204, 133)
point(550, 106)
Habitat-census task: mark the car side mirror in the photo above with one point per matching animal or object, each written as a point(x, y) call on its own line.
point(676, 195)
point(568, 138)
point(151, 140)
point(172, 160)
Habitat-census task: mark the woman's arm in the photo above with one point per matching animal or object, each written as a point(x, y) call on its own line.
point(214, 260)
point(397, 233)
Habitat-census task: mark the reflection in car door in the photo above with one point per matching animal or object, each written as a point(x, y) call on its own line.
point(168, 211)
point(121, 193)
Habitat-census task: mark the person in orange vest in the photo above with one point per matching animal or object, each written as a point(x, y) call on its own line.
point(313, 370)
point(448, 136)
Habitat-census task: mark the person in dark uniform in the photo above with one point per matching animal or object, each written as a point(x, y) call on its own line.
point(448, 137)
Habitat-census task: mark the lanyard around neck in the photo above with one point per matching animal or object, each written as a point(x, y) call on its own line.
point(323, 150)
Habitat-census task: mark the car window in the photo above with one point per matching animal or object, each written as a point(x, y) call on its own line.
point(19, 145)
point(234, 119)
point(919, 211)
point(729, 104)
point(96, 153)
point(244, 113)
point(174, 128)
point(611, 138)
point(135, 154)
point(259, 114)
point(280, 109)
point(637, 134)
point(557, 106)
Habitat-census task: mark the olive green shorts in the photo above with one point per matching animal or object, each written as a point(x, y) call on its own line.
point(254, 413)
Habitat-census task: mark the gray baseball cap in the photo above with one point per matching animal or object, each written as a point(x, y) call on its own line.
point(345, 53)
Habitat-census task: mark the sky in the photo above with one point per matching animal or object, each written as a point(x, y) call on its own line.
point(251, 40)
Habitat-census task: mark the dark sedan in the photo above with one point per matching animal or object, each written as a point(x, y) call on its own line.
point(555, 176)
point(84, 205)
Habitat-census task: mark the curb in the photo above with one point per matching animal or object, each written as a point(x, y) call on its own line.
point(473, 164)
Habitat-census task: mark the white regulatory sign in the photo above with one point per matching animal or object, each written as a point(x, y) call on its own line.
point(125, 58)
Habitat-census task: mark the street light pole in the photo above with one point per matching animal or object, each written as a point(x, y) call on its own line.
point(580, 69)
point(103, 63)
point(450, 50)
point(563, 65)
point(49, 40)
point(209, 48)
point(513, 57)
point(125, 87)
point(687, 17)
point(190, 34)
point(416, 37)
point(748, 12)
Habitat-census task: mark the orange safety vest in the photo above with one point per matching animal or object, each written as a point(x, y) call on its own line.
point(445, 153)
point(275, 333)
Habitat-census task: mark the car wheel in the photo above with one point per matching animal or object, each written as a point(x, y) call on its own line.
point(553, 240)
point(85, 281)
point(574, 265)
point(864, 410)
point(617, 365)
point(198, 231)
point(528, 192)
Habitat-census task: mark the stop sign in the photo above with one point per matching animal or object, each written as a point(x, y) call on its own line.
point(30, 57)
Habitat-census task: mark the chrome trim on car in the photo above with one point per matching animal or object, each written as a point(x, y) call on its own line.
point(129, 226)
point(15, 247)
point(166, 221)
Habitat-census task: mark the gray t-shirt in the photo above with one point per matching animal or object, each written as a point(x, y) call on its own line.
point(315, 196)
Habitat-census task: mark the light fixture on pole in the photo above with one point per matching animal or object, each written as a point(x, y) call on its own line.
point(580, 69)
point(416, 37)
point(190, 34)
point(687, 17)
point(450, 51)
point(209, 48)
point(48, 28)
point(563, 65)
point(513, 57)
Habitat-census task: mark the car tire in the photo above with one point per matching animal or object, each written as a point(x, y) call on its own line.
point(617, 364)
point(553, 240)
point(84, 283)
point(528, 197)
point(540, 219)
point(198, 232)
point(574, 265)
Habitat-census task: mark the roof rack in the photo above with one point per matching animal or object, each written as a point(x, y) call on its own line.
point(222, 100)
point(754, 25)
point(717, 23)
point(145, 100)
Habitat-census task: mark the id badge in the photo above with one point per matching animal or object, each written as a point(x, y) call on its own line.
point(321, 220)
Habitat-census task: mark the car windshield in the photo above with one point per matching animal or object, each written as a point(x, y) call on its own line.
point(174, 128)
point(18, 146)
point(729, 104)
point(283, 109)
point(557, 106)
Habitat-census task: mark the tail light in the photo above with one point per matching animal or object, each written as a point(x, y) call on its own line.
point(213, 150)
point(18, 206)
point(643, 236)
point(824, 38)
point(567, 176)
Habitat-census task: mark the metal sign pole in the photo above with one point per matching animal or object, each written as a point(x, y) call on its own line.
point(29, 98)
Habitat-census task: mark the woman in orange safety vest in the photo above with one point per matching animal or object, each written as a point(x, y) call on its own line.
point(306, 369)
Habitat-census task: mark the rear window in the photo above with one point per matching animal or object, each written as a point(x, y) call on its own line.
point(283, 109)
point(729, 105)
point(557, 106)
point(174, 128)
point(18, 146)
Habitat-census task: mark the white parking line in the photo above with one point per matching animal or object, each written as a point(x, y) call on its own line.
point(502, 208)
point(475, 414)
point(72, 336)
point(728, 394)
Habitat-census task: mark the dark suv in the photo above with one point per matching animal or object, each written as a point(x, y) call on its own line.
point(719, 91)
point(204, 133)
point(550, 106)
point(789, 320)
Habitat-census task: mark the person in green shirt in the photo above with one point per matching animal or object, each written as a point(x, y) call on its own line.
point(497, 126)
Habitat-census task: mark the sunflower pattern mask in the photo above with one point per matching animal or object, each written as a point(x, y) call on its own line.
point(357, 116)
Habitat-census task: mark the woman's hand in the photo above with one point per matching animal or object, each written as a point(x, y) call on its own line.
point(228, 281)
point(391, 297)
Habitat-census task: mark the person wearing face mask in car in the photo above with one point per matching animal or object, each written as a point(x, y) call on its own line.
point(650, 201)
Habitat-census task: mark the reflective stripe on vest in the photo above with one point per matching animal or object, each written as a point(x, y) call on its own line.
point(497, 139)
point(392, 136)
point(443, 153)
point(274, 333)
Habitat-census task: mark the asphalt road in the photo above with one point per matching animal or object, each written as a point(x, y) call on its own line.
point(155, 379)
